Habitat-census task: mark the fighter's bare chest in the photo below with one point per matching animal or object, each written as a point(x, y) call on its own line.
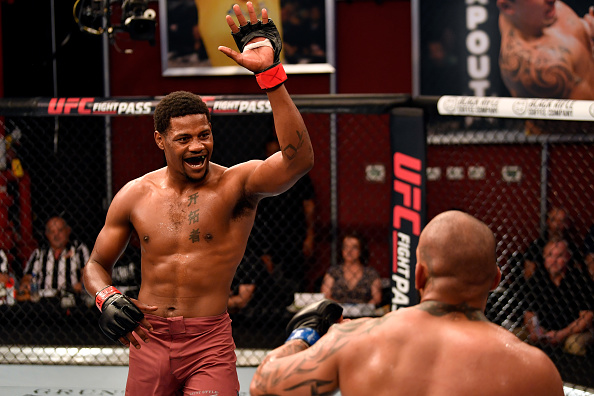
point(190, 218)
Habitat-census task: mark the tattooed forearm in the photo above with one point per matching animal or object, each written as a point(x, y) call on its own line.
point(314, 387)
point(436, 308)
point(269, 373)
point(294, 374)
point(290, 150)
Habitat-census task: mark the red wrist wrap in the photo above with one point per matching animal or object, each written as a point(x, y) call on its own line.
point(103, 295)
point(272, 77)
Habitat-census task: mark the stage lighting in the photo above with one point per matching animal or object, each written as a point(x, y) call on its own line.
point(137, 19)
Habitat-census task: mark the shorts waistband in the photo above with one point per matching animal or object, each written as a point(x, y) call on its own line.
point(181, 325)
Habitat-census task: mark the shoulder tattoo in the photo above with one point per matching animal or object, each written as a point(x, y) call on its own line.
point(537, 71)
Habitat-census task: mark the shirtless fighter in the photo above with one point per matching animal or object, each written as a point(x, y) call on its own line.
point(193, 218)
point(443, 346)
point(546, 50)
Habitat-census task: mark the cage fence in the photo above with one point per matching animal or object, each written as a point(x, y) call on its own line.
point(497, 169)
point(527, 180)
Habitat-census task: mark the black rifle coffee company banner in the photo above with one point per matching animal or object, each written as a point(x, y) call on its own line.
point(408, 201)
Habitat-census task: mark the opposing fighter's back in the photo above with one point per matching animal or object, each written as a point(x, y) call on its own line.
point(442, 346)
point(421, 351)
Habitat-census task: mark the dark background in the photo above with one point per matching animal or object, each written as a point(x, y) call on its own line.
point(374, 57)
point(373, 52)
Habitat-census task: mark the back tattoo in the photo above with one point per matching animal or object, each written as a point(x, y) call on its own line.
point(437, 308)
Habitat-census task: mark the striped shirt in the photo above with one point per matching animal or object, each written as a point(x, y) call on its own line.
point(3, 262)
point(57, 274)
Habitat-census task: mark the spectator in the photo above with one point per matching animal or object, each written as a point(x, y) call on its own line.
point(7, 281)
point(56, 268)
point(257, 303)
point(562, 310)
point(530, 263)
point(4, 268)
point(352, 281)
point(283, 233)
point(557, 229)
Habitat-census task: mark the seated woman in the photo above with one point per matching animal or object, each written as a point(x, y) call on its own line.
point(353, 282)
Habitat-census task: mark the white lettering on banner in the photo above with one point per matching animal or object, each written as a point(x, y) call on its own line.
point(556, 109)
point(479, 67)
point(105, 107)
point(242, 106)
point(261, 106)
point(134, 108)
point(478, 44)
point(402, 283)
point(226, 105)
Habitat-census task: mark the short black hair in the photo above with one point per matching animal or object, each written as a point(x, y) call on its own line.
point(178, 104)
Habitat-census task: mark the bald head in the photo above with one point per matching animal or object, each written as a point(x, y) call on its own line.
point(460, 250)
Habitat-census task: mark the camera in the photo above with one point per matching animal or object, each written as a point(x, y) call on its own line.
point(137, 19)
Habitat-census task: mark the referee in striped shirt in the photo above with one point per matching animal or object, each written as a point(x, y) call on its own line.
point(56, 267)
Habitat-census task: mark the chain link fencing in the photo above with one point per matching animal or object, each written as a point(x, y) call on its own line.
point(534, 191)
point(71, 166)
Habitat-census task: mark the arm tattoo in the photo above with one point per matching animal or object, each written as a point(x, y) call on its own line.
point(271, 373)
point(437, 308)
point(314, 386)
point(290, 150)
point(543, 72)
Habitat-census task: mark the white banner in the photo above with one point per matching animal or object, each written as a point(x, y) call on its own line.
point(545, 109)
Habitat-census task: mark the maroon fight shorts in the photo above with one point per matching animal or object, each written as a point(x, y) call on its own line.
point(185, 356)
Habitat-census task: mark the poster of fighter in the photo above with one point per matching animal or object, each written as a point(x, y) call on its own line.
point(192, 32)
point(516, 48)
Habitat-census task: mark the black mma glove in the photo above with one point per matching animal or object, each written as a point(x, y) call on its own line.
point(119, 315)
point(313, 321)
point(272, 76)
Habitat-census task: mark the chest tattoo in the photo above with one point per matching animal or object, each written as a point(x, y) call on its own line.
point(193, 217)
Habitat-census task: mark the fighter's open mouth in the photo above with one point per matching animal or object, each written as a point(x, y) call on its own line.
point(196, 161)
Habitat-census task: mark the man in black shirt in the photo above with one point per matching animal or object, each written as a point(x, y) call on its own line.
point(562, 311)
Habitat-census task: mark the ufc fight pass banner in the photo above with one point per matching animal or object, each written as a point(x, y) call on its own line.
point(408, 201)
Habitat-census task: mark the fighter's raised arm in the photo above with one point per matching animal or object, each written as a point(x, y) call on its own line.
point(260, 45)
point(193, 218)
